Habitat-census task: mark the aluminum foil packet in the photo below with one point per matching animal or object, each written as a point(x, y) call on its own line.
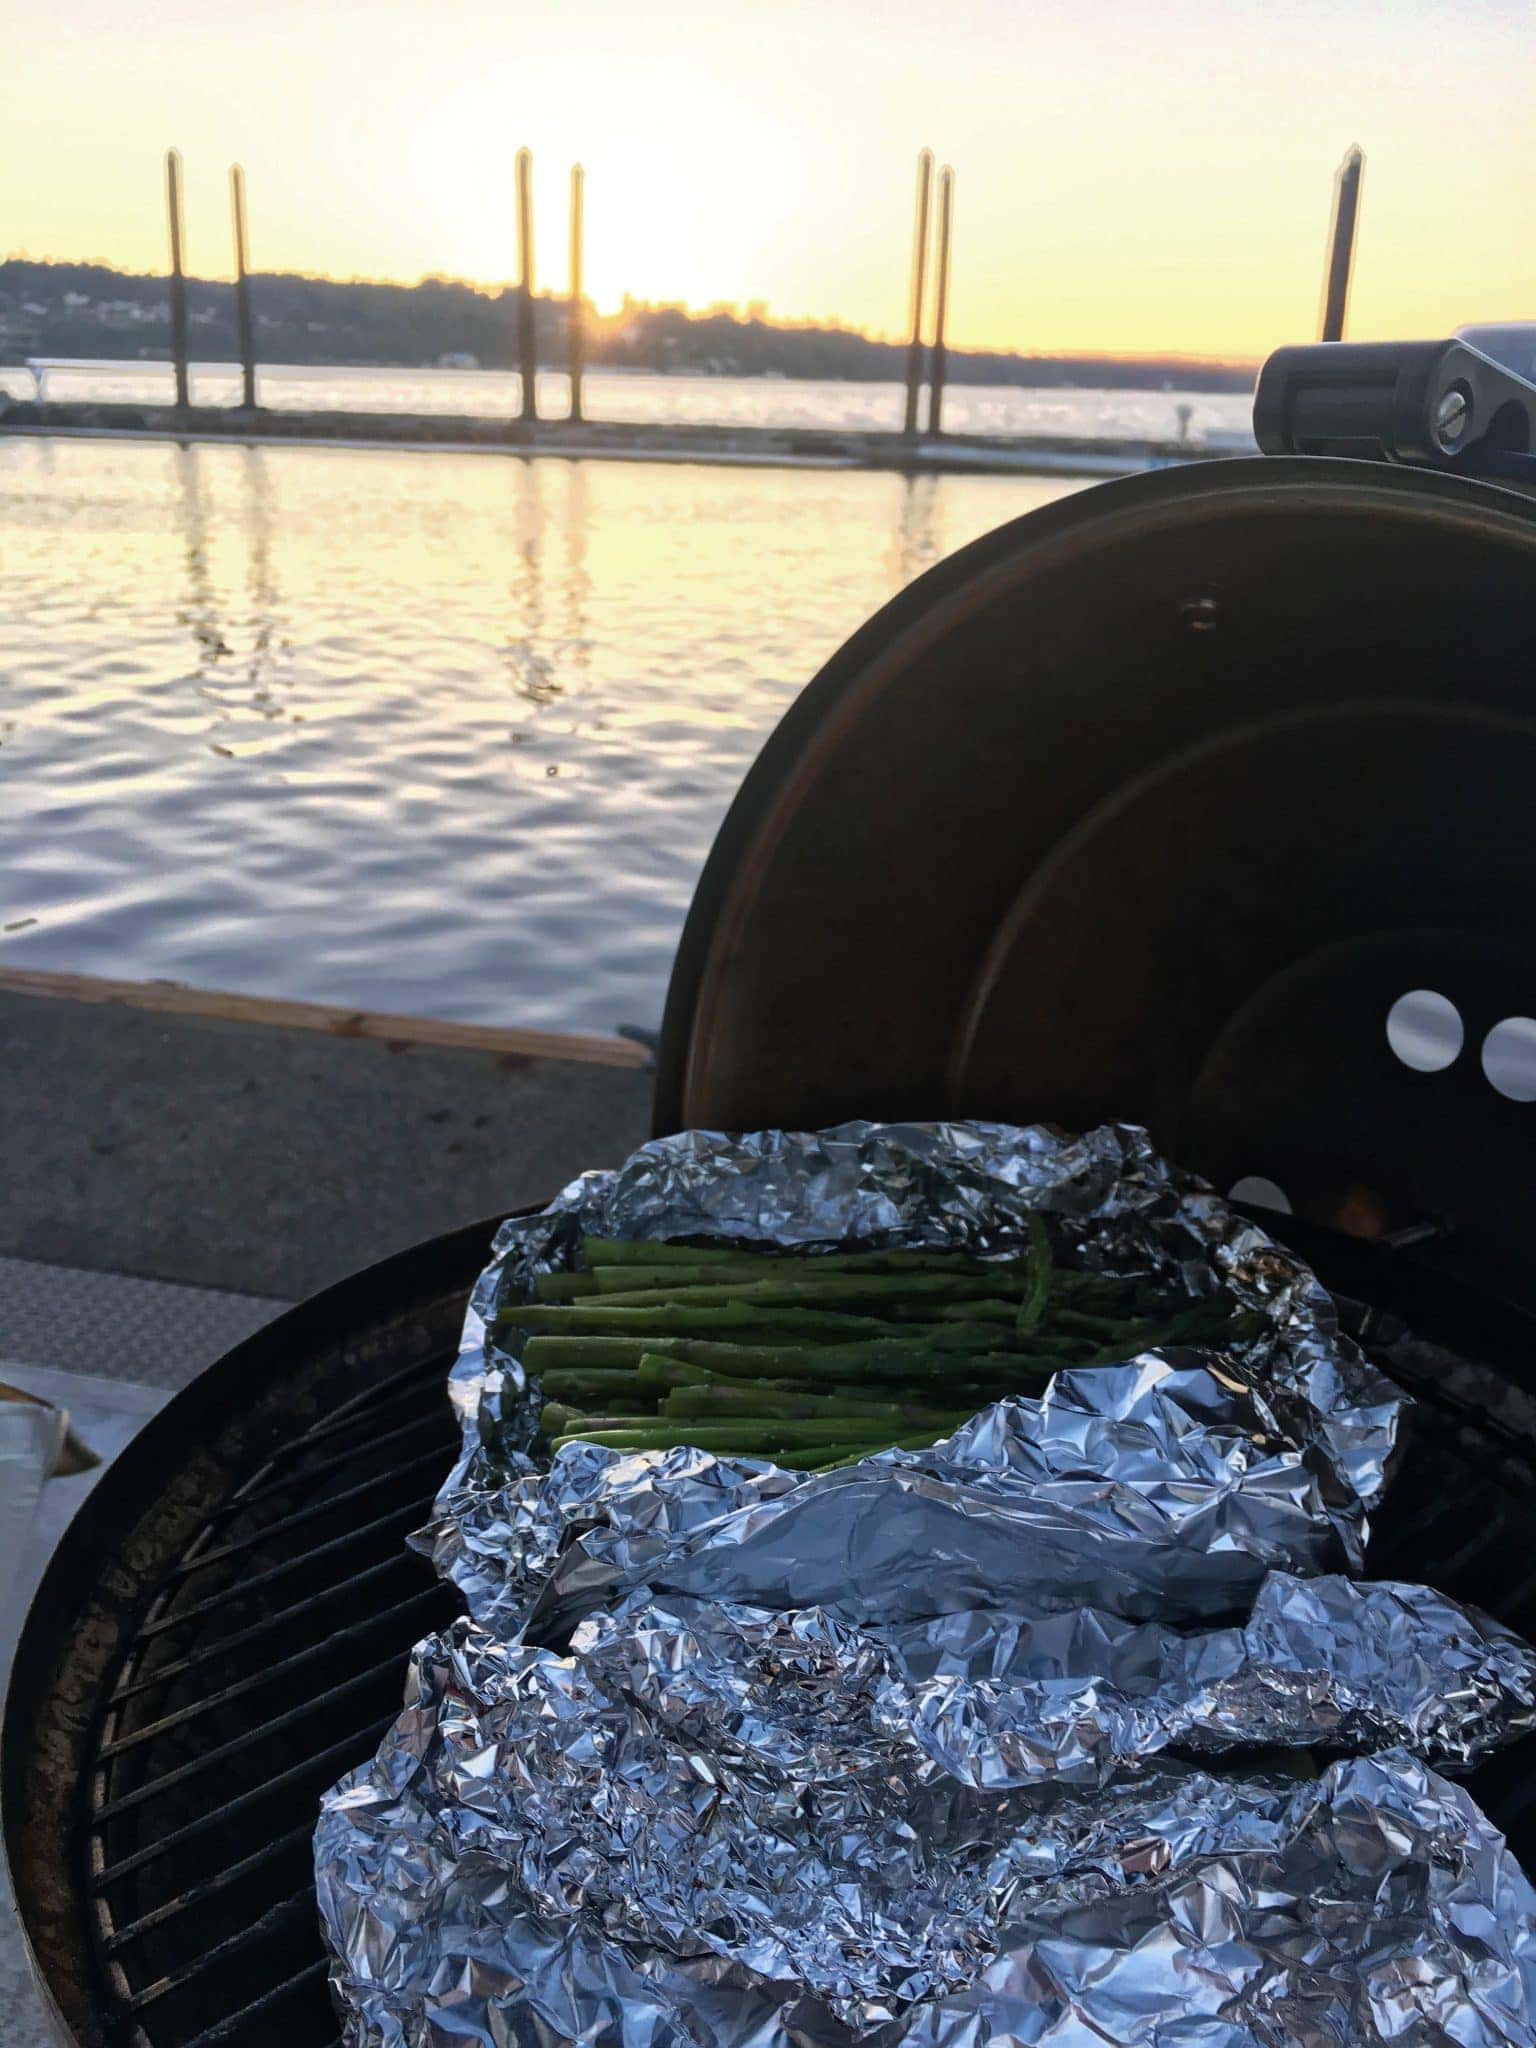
point(1111, 1201)
point(1007, 1736)
point(535, 1857)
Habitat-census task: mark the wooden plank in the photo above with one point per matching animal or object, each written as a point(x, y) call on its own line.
point(173, 998)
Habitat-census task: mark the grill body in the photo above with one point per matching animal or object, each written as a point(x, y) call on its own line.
point(224, 1630)
point(218, 1637)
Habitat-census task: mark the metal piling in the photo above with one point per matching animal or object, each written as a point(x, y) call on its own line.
point(1341, 244)
point(574, 336)
point(177, 221)
point(940, 359)
point(919, 292)
point(527, 332)
point(243, 321)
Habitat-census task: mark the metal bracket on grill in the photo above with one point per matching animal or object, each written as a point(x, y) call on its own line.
point(1433, 404)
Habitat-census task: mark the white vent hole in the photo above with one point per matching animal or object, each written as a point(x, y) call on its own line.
point(1425, 1030)
point(1509, 1058)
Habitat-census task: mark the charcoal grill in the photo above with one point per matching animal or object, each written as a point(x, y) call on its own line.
point(1151, 804)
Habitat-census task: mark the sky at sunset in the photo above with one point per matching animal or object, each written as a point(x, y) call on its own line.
point(1131, 176)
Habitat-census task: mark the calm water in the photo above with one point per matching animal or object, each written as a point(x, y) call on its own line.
point(434, 733)
point(1218, 419)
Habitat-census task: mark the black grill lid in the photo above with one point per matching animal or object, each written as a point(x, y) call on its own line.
point(1150, 805)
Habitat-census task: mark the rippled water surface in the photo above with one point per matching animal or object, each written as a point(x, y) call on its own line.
point(433, 733)
point(1220, 419)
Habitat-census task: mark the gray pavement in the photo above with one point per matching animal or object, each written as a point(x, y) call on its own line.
point(263, 1161)
point(149, 1332)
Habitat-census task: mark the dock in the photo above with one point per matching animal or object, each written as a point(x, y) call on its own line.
point(262, 1149)
point(748, 447)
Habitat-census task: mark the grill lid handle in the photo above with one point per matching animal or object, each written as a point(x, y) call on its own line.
point(1433, 404)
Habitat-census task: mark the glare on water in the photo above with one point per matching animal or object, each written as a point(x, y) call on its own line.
point(433, 733)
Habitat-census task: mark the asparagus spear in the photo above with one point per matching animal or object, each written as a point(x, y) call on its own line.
point(564, 1383)
point(660, 1434)
point(609, 1317)
point(825, 1457)
point(669, 1361)
point(813, 1293)
point(542, 1355)
point(564, 1286)
point(623, 1251)
point(597, 1252)
point(758, 1359)
point(829, 1273)
point(1037, 1293)
point(773, 1402)
point(558, 1421)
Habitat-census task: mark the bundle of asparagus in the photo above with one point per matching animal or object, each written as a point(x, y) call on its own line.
point(819, 1361)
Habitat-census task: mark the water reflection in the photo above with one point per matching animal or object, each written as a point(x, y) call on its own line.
point(916, 542)
point(200, 613)
point(639, 628)
point(578, 580)
point(261, 584)
point(233, 682)
point(533, 674)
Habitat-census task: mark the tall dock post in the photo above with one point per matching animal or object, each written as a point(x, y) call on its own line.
point(573, 318)
point(940, 360)
point(919, 292)
point(527, 334)
point(177, 220)
point(243, 321)
point(1341, 244)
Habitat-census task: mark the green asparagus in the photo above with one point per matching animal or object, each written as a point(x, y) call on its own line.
point(819, 1359)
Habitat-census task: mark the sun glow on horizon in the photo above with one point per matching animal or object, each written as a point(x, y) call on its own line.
point(1147, 183)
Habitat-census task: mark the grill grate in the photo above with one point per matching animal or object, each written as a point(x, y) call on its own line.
point(269, 1660)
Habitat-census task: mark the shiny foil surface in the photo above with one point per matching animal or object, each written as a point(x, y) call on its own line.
point(1015, 1736)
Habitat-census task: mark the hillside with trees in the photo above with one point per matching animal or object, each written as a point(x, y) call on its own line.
point(88, 310)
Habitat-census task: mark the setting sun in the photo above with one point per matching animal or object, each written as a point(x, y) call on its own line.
point(1122, 186)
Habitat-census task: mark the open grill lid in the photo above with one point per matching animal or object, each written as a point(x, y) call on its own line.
point(1150, 805)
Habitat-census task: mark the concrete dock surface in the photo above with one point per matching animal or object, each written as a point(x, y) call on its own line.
point(260, 1160)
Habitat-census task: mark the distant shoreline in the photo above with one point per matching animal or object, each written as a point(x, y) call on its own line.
point(227, 367)
point(87, 311)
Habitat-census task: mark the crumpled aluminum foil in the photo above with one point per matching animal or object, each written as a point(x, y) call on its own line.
point(738, 1758)
point(1165, 1487)
point(966, 1186)
point(537, 1855)
point(1328, 1663)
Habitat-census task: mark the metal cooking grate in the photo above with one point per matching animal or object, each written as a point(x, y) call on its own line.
point(270, 1660)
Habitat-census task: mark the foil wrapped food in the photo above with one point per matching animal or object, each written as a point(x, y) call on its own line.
point(1015, 1735)
point(970, 1187)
